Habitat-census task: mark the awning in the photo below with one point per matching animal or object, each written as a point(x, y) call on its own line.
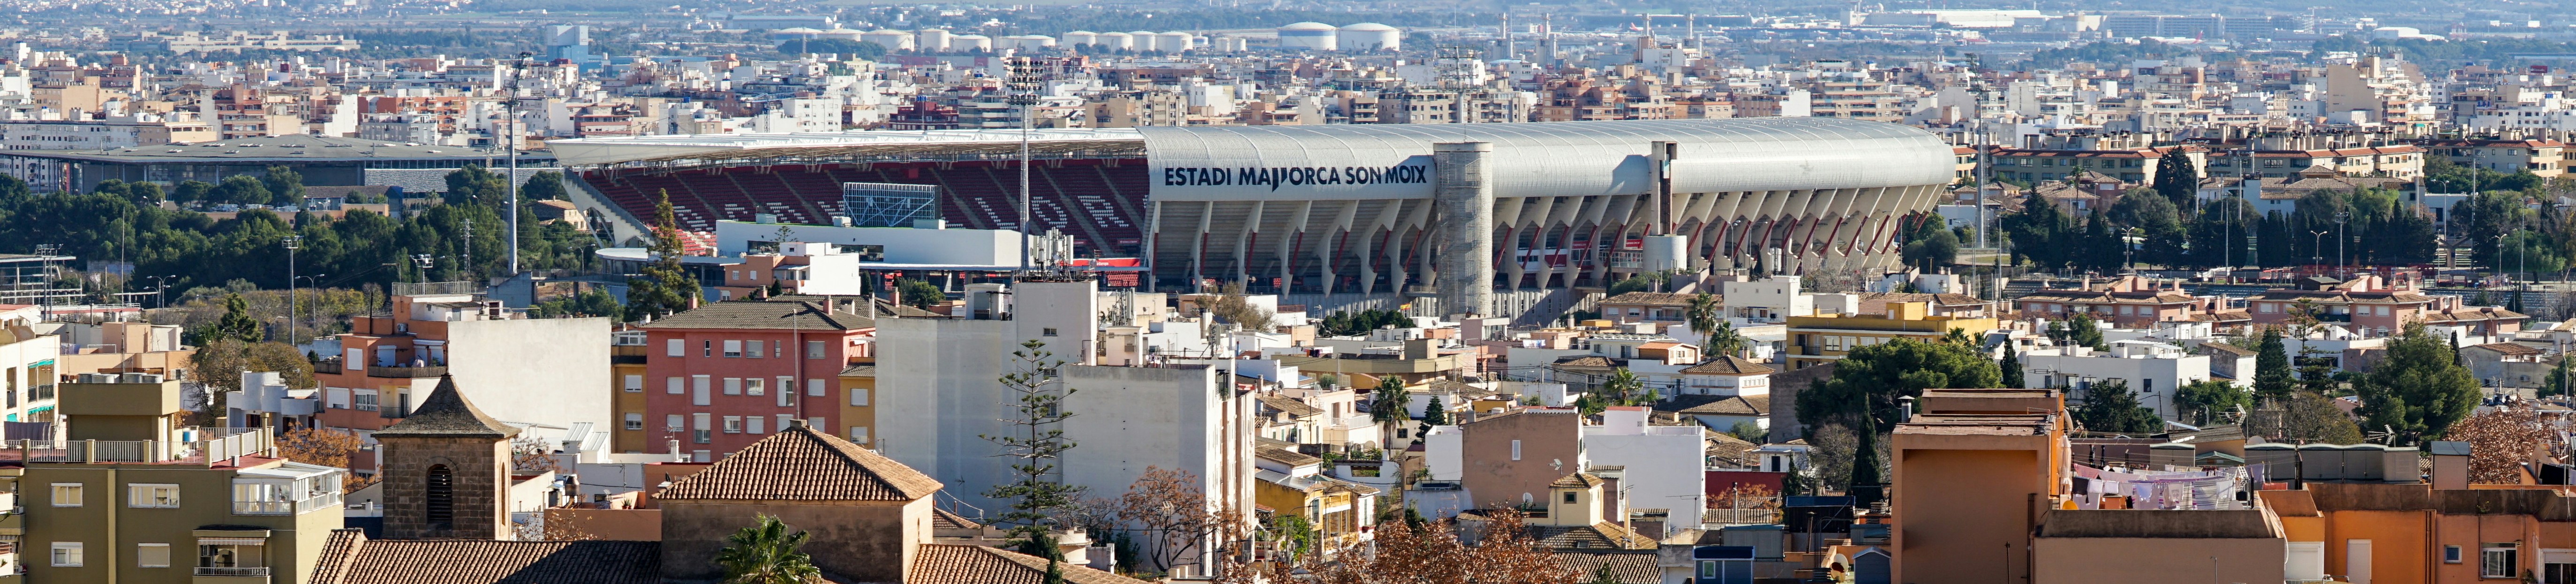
point(231, 541)
point(41, 363)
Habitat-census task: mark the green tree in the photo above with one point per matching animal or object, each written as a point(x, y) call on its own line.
point(543, 186)
point(665, 287)
point(1932, 252)
point(2010, 368)
point(920, 293)
point(285, 186)
point(1726, 340)
point(236, 323)
point(1703, 316)
point(193, 191)
point(2272, 367)
point(2109, 406)
point(472, 184)
point(766, 553)
point(1433, 414)
point(2041, 233)
point(1035, 442)
point(242, 189)
point(1869, 379)
point(2177, 178)
point(2418, 390)
point(2202, 401)
point(1390, 404)
point(586, 303)
point(2558, 378)
point(2158, 222)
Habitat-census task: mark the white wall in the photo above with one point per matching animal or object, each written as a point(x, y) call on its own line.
point(1666, 468)
point(903, 245)
point(549, 371)
point(2039, 370)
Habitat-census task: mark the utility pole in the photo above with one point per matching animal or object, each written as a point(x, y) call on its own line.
point(518, 68)
point(2343, 263)
point(292, 242)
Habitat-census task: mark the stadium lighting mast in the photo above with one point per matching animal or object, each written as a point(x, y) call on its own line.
point(1023, 89)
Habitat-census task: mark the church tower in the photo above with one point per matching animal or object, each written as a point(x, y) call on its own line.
point(446, 470)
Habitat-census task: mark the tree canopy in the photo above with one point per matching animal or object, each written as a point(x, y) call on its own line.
point(2418, 390)
point(1870, 378)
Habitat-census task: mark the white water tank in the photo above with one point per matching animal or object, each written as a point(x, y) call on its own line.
point(970, 42)
point(1173, 42)
point(1081, 37)
point(892, 40)
point(1370, 36)
point(1117, 40)
point(1312, 36)
point(1029, 42)
point(931, 39)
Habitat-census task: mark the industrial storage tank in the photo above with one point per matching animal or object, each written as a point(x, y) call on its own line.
point(1081, 37)
point(970, 42)
point(1370, 36)
point(1117, 40)
point(1174, 42)
point(1029, 42)
point(1313, 36)
point(931, 39)
point(892, 40)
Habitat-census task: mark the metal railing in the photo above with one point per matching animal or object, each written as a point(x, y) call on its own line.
point(218, 444)
point(406, 372)
point(246, 572)
point(263, 508)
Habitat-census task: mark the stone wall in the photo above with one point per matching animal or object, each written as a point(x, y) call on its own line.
point(861, 541)
point(481, 467)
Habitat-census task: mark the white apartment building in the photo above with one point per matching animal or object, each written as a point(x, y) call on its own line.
point(1659, 460)
point(2153, 370)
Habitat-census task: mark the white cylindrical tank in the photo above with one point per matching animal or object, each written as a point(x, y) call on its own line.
point(1174, 42)
point(1029, 42)
point(931, 39)
point(892, 40)
point(1312, 36)
point(1370, 36)
point(1117, 40)
point(1081, 37)
point(970, 42)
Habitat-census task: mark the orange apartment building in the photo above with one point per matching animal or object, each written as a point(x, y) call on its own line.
point(2126, 302)
point(2373, 306)
point(1972, 473)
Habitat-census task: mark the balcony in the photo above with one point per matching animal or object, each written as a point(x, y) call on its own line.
point(208, 575)
point(406, 372)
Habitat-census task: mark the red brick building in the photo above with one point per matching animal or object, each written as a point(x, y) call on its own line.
point(726, 374)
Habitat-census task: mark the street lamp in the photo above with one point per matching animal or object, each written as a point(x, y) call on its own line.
point(292, 242)
point(2317, 246)
point(160, 287)
point(316, 280)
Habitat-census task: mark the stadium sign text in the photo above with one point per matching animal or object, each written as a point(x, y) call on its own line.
point(1296, 175)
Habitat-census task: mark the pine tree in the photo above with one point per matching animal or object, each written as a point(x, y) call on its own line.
point(2011, 366)
point(665, 287)
point(2272, 367)
point(1433, 414)
point(1038, 496)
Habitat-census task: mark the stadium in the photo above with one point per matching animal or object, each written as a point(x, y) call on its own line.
point(1475, 214)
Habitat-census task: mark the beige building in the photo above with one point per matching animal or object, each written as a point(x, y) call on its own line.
point(133, 497)
point(1511, 458)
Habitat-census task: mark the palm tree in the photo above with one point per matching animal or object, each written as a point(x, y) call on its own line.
point(1389, 405)
point(1704, 315)
point(766, 554)
point(1726, 340)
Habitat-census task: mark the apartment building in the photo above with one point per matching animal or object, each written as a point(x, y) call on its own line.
point(28, 365)
point(2539, 156)
point(2373, 306)
point(126, 132)
point(542, 372)
point(721, 376)
point(1825, 338)
point(133, 496)
point(2127, 302)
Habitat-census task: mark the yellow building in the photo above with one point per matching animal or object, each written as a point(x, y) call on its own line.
point(626, 364)
point(1295, 484)
point(1826, 338)
point(858, 409)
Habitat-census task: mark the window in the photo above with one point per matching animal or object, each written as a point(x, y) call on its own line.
point(751, 349)
point(634, 384)
point(701, 456)
point(1049, 331)
point(228, 556)
point(1516, 450)
point(674, 423)
point(152, 496)
point(814, 387)
point(733, 386)
point(733, 348)
point(813, 422)
point(733, 424)
point(675, 386)
point(785, 420)
point(706, 348)
point(754, 386)
point(675, 348)
point(67, 494)
point(151, 555)
point(2496, 560)
point(859, 434)
point(67, 554)
point(698, 385)
point(634, 421)
point(778, 349)
point(813, 349)
point(699, 430)
point(366, 400)
point(440, 498)
point(1569, 497)
point(338, 397)
point(859, 396)
point(752, 425)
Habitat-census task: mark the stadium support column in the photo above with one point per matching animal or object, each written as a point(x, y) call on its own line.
point(1465, 201)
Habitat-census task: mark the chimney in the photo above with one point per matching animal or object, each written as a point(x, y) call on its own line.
point(2450, 464)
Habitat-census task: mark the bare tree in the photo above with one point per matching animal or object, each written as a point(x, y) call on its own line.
point(2500, 441)
point(532, 454)
point(1233, 307)
point(1431, 553)
point(1167, 508)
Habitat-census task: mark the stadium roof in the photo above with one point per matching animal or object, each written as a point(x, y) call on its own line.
point(710, 148)
point(297, 148)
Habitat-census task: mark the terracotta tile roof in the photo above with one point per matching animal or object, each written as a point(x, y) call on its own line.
point(1729, 449)
point(1716, 405)
point(1599, 536)
point(2509, 349)
point(1625, 567)
point(945, 519)
point(1286, 456)
point(1727, 365)
point(350, 558)
point(2227, 348)
point(1585, 361)
point(1579, 480)
point(2473, 314)
point(782, 313)
point(1289, 406)
point(974, 564)
point(1655, 298)
point(860, 371)
point(446, 413)
point(802, 464)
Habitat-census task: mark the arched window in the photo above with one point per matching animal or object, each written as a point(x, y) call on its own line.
point(442, 495)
